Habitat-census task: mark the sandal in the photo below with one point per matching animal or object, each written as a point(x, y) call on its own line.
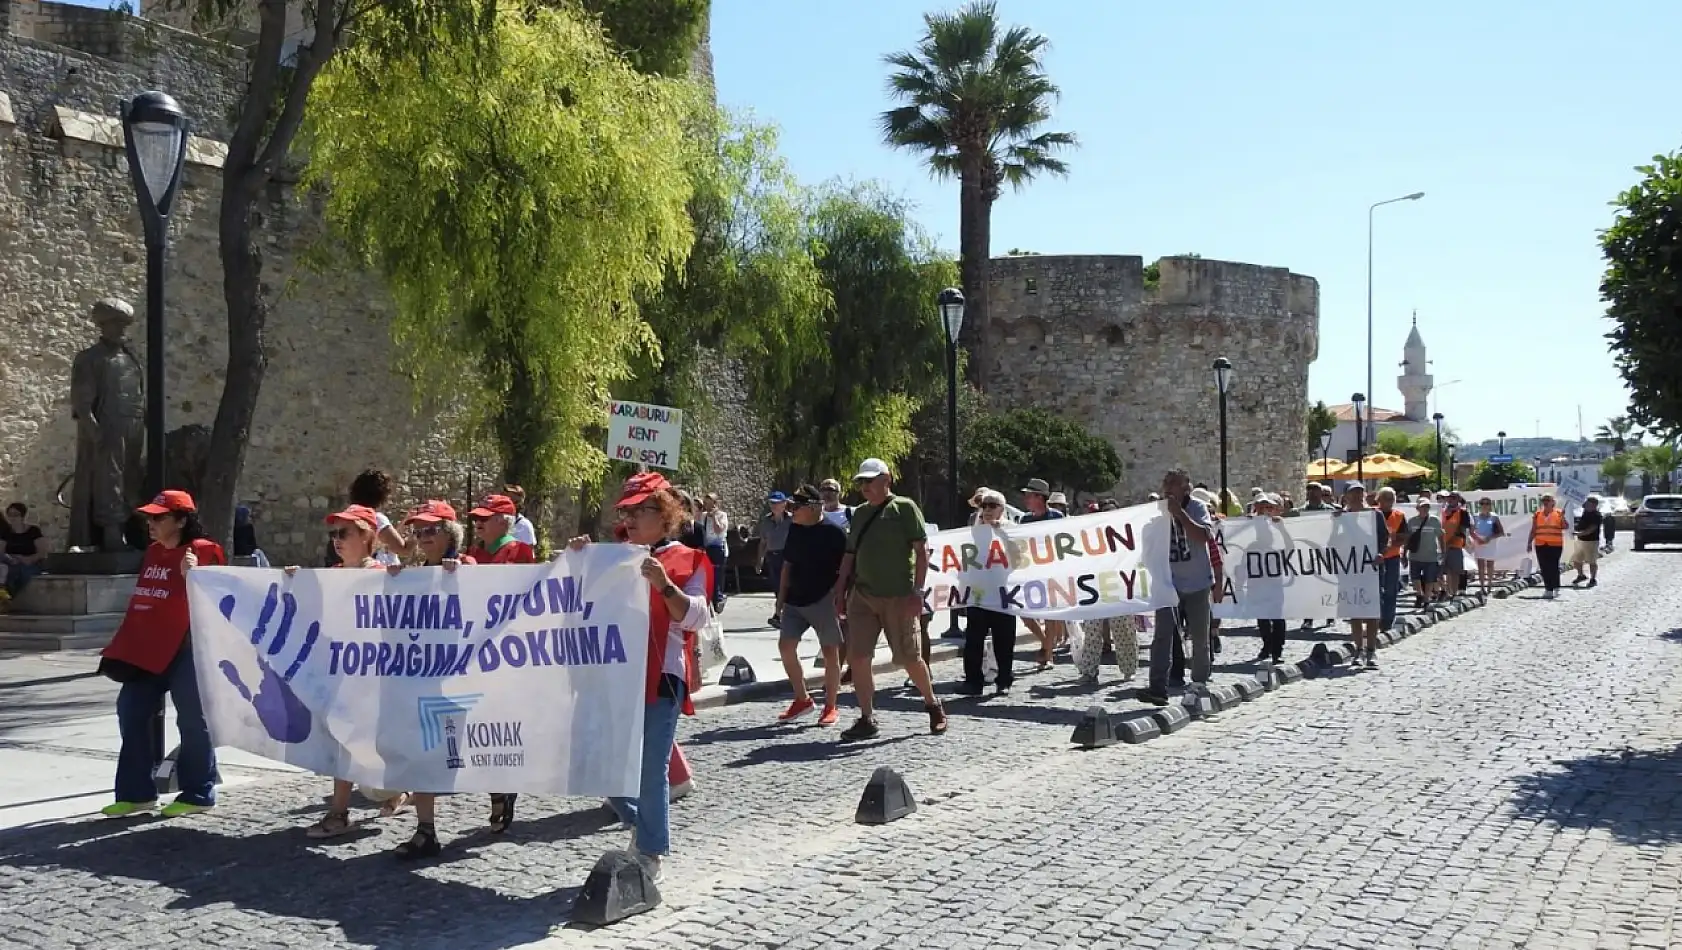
point(502, 811)
point(424, 844)
point(937, 719)
point(394, 805)
point(334, 824)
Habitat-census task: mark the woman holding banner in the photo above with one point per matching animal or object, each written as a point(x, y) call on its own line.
point(651, 514)
point(439, 537)
point(982, 624)
point(1486, 527)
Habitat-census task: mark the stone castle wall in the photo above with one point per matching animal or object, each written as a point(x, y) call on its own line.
point(70, 234)
point(1086, 337)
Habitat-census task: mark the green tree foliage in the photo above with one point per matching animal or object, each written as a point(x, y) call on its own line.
point(1643, 252)
point(1321, 421)
point(1618, 433)
point(1657, 463)
point(1005, 449)
point(1486, 477)
point(1616, 472)
point(880, 344)
point(518, 194)
point(657, 36)
point(749, 289)
point(975, 101)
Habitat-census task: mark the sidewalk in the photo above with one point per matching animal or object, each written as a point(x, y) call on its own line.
point(58, 726)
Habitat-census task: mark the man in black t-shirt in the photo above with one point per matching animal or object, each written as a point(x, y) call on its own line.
point(1587, 532)
point(811, 566)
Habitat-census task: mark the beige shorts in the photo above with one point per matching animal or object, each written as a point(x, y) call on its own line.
point(1585, 552)
point(868, 618)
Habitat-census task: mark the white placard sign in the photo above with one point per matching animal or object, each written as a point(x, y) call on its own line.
point(1107, 564)
point(1513, 506)
point(505, 678)
point(1317, 565)
point(642, 434)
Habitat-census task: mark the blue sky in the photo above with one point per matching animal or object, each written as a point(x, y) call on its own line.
point(1261, 132)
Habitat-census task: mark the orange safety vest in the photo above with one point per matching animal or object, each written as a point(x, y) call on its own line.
point(1394, 521)
point(1548, 531)
point(1463, 519)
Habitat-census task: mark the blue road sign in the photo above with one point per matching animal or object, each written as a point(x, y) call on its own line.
point(1499, 459)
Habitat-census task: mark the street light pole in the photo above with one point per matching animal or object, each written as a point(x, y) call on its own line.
point(1373, 436)
point(1223, 380)
point(1452, 486)
point(155, 139)
point(1437, 417)
point(1360, 438)
point(1501, 449)
point(951, 305)
point(1325, 452)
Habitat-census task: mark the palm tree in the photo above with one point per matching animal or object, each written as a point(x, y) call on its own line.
point(1657, 463)
point(976, 97)
point(1616, 471)
point(1616, 433)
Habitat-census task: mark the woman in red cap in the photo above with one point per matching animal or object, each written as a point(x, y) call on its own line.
point(650, 513)
point(355, 534)
point(152, 654)
point(438, 537)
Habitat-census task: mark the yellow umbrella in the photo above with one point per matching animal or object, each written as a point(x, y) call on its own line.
point(1382, 465)
point(1329, 468)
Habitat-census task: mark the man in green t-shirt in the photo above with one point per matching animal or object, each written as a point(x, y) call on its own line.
point(881, 592)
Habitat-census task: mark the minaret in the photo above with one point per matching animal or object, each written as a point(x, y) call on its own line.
point(1415, 381)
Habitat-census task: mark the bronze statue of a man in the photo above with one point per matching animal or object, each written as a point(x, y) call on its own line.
point(108, 399)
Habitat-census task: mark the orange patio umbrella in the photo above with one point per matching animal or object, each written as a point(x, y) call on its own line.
point(1329, 469)
point(1383, 465)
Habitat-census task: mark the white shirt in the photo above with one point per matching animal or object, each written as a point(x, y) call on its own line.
point(523, 530)
point(716, 528)
point(840, 517)
point(386, 557)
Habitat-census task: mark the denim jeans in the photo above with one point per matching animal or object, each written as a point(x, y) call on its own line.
point(137, 703)
point(1193, 612)
point(650, 812)
point(1389, 589)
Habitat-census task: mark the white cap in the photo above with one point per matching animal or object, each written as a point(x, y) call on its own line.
point(871, 469)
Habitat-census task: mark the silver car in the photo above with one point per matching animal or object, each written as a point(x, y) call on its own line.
point(1658, 521)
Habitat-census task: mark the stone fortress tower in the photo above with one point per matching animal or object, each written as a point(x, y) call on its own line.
point(1086, 336)
point(1416, 381)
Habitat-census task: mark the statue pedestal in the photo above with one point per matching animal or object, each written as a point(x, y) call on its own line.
point(95, 563)
point(70, 611)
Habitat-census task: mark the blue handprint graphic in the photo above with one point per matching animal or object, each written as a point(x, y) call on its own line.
point(284, 717)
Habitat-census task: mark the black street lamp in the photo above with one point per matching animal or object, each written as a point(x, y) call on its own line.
point(1437, 417)
point(951, 303)
point(1223, 383)
point(1325, 452)
point(1357, 401)
point(1501, 449)
point(1451, 479)
point(155, 137)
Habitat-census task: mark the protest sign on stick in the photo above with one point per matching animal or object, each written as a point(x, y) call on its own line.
point(1299, 568)
point(506, 678)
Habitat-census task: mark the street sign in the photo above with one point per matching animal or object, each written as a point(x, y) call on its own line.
point(1500, 459)
point(643, 434)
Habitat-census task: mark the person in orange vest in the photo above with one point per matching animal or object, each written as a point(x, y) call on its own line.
point(1390, 566)
point(1457, 529)
point(1547, 539)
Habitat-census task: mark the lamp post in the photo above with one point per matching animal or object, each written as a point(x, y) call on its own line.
point(1357, 401)
point(1373, 436)
point(951, 303)
point(1501, 448)
point(1437, 417)
point(1325, 452)
point(155, 138)
point(1451, 479)
point(1223, 380)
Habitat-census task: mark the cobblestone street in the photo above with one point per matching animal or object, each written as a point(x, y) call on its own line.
point(1510, 778)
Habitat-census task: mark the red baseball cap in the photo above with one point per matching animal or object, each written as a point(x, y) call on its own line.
point(170, 501)
point(495, 505)
point(639, 487)
point(357, 514)
point(432, 510)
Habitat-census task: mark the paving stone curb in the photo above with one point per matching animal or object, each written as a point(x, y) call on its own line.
point(718, 697)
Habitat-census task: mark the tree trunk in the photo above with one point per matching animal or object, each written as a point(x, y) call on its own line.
point(974, 240)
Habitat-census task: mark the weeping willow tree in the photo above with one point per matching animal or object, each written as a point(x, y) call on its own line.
point(519, 191)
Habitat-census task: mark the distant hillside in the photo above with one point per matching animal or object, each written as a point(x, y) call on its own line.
point(1527, 449)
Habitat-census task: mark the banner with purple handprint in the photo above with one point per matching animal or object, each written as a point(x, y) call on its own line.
point(493, 678)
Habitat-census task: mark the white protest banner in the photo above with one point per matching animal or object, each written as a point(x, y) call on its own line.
point(507, 678)
point(643, 434)
point(1317, 565)
point(1513, 506)
point(1099, 565)
point(1571, 492)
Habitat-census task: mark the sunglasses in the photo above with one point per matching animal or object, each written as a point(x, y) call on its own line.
point(430, 531)
point(340, 534)
point(829, 491)
point(162, 517)
point(991, 504)
point(637, 510)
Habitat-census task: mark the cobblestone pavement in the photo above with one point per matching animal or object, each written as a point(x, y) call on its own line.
point(1510, 778)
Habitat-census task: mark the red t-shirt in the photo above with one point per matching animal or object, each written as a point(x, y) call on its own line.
point(156, 623)
point(511, 552)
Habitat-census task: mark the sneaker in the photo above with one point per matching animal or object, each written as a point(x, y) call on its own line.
point(181, 809)
point(1153, 699)
point(1214, 644)
point(970, 689)
point(829, 717)
point(1005, 689)
point(652, 865)
point(798, 708)
point(1372, 659)
point(126, 809)
point(861, 730)
point(775, 621)
point(1575, 581)
point(1594, 582)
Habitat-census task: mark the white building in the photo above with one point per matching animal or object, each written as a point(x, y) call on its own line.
point(1415, 385)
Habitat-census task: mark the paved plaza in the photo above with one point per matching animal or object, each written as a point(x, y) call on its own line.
point(1509, 778)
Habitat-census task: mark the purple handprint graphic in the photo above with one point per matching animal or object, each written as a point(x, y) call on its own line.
point(283, 715)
